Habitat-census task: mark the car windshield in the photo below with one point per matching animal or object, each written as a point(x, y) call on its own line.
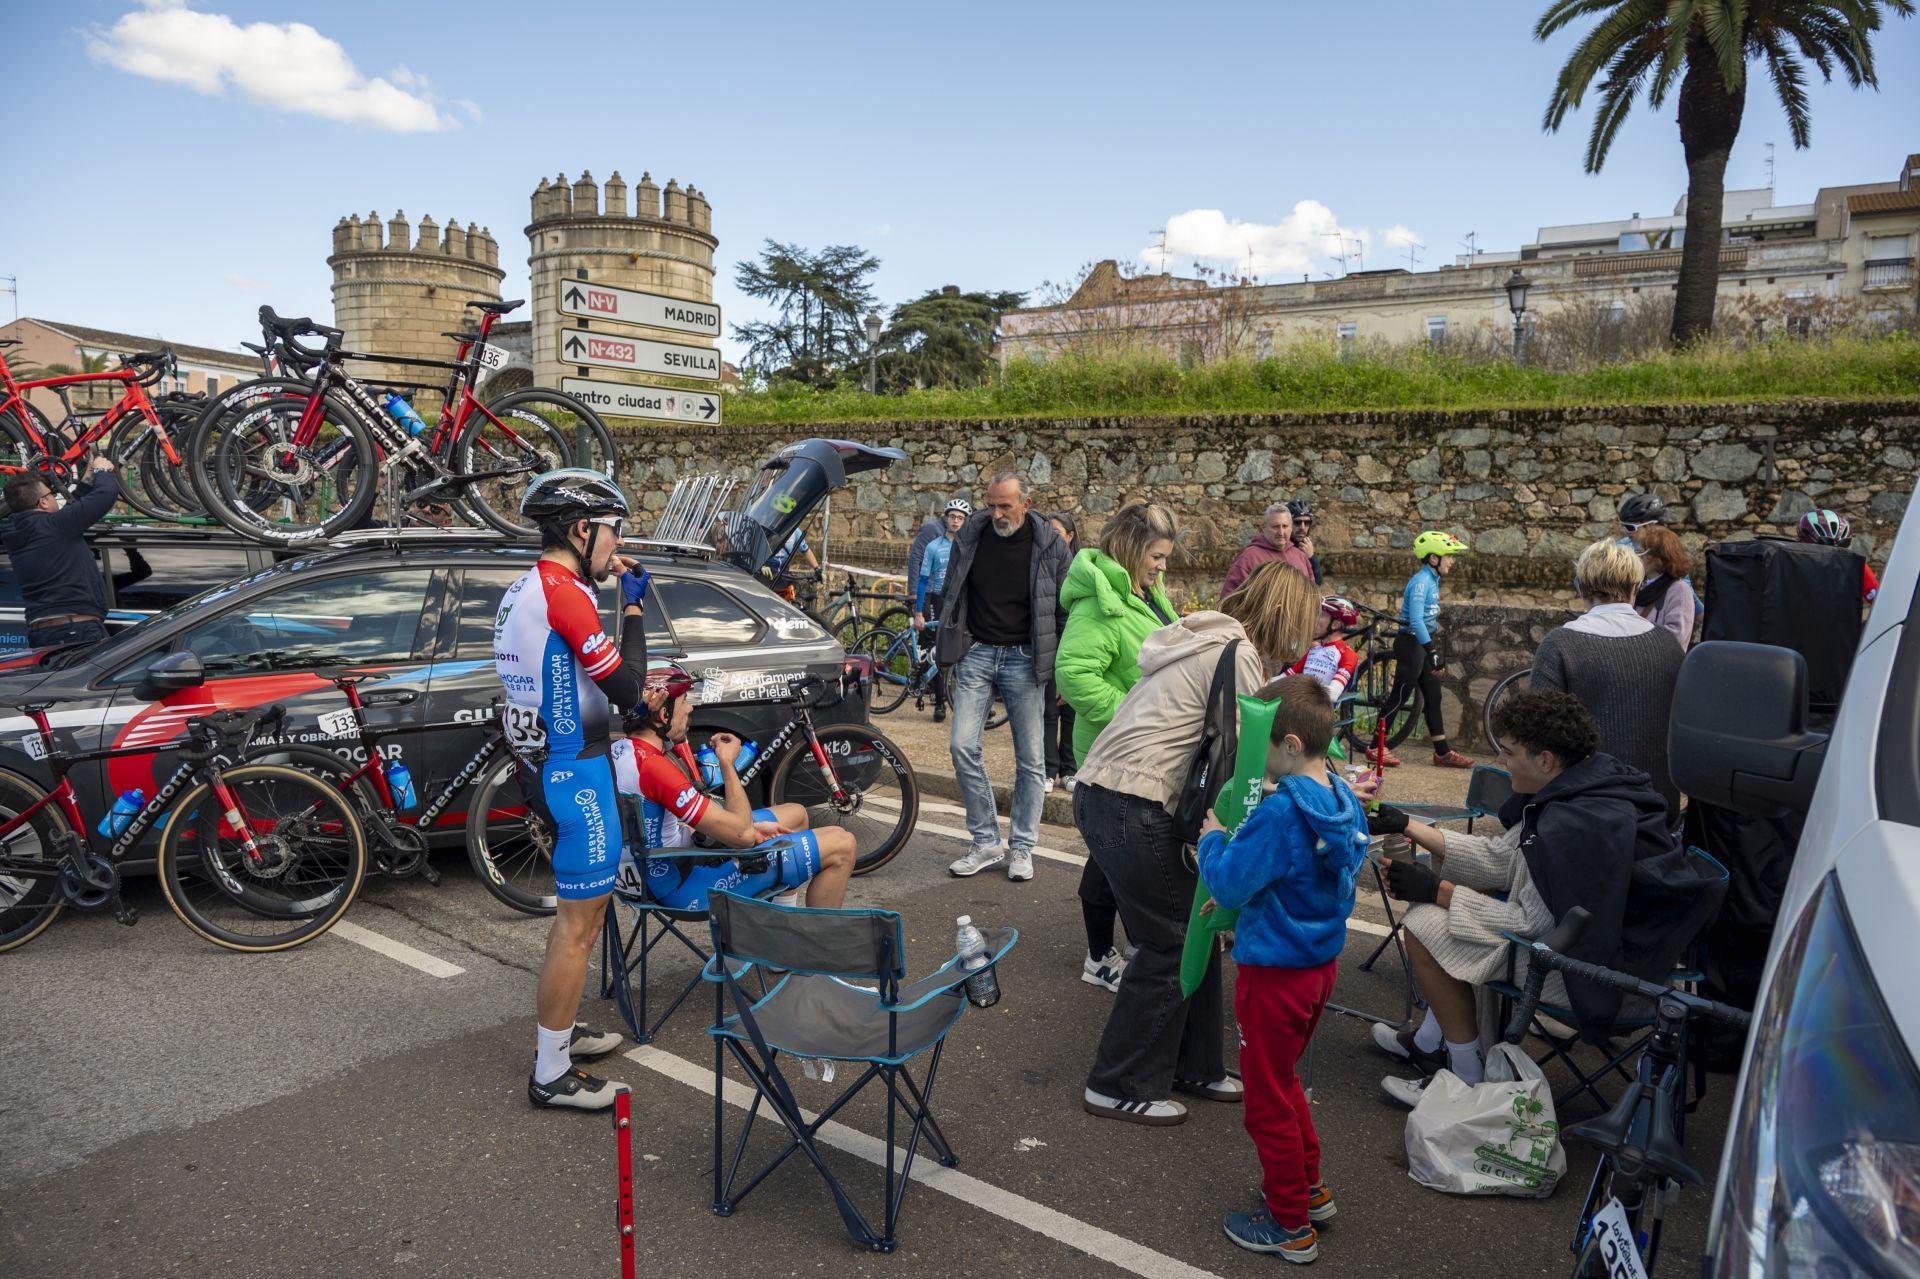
point(130, 638)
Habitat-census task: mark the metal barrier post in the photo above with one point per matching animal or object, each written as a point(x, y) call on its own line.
point(623, 1147)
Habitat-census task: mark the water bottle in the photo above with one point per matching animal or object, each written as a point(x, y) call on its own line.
point(121, 815)
point(983, 988)
point(709, 761)
point(401, 783)
point(403, 413)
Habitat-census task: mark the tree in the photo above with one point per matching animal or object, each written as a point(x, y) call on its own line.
point(943, 338)
point(1705, 46)
point(819, 297)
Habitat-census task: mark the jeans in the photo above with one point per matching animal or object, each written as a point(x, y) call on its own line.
point(1152, 1035)
point(1008, 670)
point(66, 633)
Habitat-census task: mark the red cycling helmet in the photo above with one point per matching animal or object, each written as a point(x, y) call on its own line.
point(1825, 528)
point(1341, 610)
point(671, 676)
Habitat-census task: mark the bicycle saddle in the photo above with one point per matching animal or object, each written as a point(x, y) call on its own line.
point(1613, 1132)
point(497, 308)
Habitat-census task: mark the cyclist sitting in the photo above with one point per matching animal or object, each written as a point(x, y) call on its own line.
point(929, 588)
point(1417, 659)
point(1332, 660)
point(1830, 528)
point(783, 852)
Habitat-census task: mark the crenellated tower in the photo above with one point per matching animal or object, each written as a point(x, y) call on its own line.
point(397, 291)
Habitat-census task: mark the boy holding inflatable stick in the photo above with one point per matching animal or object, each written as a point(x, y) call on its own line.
point(1290, 870)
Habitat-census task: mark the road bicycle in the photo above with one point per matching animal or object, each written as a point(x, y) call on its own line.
point(307, 463)
point(1643, 1163)
point(903, 666)
point(1370, 690)
point(844, 775)
point(849, 611)
point(1517, 682)
point(255, 857)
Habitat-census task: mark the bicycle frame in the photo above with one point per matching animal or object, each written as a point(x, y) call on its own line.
point(132, 399)
point(801, 723)
point(371, 768)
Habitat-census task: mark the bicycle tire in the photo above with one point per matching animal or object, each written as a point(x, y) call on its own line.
point(866, 765)
point(179, 419)
point(561, 420)
point(33, 908)
point(133, 448)
point(215, 895)
point(892, 668)
point(328, 767)
point(332, 482)
point(508, 844)
point(896, 617)
point(1507, 684)
point(1372, 685)
point(198, 473)
point(997, 718)
point(20, 446)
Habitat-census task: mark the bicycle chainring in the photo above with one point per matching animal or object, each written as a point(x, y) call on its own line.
point(99, 889)
point(402, 851)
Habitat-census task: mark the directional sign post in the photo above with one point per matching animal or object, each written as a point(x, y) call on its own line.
point(658, 403)
point(578, 346)
point(628, 306)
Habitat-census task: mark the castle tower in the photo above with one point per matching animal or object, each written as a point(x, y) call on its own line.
point(397, 294)
point(630, 243)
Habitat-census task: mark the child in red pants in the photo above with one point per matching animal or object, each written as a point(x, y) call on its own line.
point(1290, 870)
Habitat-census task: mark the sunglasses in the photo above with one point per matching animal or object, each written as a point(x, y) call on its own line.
point(614, 522)
point(434, 509)
point(1634, 528)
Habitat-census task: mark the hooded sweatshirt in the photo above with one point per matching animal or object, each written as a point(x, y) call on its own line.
point(1290, 870)
point(1146, 748)
point(1259, 551)
point(1099, 650)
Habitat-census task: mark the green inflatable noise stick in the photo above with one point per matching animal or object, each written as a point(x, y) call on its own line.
point(1240, 796)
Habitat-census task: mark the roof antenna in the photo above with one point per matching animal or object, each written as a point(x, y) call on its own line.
point(1471, 245)
point(1413, 254)
point(1160, 246)
point(1769, 169)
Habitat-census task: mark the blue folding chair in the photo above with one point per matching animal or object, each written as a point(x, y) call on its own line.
point(815, 1011)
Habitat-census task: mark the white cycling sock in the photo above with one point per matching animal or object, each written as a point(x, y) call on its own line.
point(554, 1057)
point(1428, 1038)
point(1465, 1061)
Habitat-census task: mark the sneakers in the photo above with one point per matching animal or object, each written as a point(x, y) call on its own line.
point(1154, 1114)
point(588, 1043)
point(939, 714)
point(1319, 1202)
point(1228, 1090)
point(978, 859)
point(1399, 1043)
point(1047, 787)
point(1105, 971)
point(1405, 1091)
point(1259, 1232)
point(1068, 782)
point(575, 1090)
point(1020, 865)
point(1383, 759)
point(1452, 759)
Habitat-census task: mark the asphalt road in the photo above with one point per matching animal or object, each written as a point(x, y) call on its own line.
point(167, 1108)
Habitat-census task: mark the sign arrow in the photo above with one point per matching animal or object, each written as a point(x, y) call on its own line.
point(574, 346)
point(707, 407)
point(574, 296)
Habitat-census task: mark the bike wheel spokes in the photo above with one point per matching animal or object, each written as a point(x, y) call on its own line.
point(878, 800)
point(30, 896)
point(892, 667)
point(269, 485)
point(510, 847)
point(518, 437)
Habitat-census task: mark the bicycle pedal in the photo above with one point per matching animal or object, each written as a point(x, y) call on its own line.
point(125, 912)
point(429, 874)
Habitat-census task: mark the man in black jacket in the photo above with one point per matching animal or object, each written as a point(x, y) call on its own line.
point(65, 594)
point(998, 628)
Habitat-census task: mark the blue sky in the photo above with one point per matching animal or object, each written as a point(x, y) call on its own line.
point(987, 145)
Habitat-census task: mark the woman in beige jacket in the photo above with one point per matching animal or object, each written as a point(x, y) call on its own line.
point(1156, 1042)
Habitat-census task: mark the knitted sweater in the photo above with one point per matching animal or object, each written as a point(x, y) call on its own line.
point(1626, 683)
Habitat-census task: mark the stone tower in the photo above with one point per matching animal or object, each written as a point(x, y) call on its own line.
point(397, 294)
point(637, 244)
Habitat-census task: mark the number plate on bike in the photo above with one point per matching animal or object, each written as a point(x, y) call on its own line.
point(35, 748)
point(1614, 1243)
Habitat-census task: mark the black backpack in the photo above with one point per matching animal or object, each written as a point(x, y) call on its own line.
point(1213, 758)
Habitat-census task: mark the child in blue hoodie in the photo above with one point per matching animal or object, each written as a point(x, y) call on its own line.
point(1290, 871)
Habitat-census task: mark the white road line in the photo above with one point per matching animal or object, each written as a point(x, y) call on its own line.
point(399, 952)
point(1037, 1217)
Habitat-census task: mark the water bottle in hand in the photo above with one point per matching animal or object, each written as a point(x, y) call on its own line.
point(709, 762)
point(121, 815)
point(983, 988)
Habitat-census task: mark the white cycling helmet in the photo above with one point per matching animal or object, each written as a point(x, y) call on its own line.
point(959, 504)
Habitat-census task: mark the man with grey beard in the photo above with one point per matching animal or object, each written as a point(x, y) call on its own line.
point(999, 630)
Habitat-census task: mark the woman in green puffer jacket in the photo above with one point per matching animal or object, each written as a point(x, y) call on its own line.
point(1113, 600)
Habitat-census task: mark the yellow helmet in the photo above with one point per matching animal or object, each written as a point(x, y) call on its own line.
point(1434, 542)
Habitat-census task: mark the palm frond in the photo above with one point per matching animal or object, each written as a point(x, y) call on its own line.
point(1724, 25)
point(1789, 84)
point(1629, 21)
point(1622, 86)
point(1562, 12)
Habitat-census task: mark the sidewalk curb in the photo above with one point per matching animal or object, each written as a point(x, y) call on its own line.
point(1055, 810)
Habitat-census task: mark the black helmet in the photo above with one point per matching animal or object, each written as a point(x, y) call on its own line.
point(572, 492)
point(1643, 508)
point(1300, 506)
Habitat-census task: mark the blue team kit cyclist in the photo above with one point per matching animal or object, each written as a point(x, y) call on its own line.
point(1417, 656)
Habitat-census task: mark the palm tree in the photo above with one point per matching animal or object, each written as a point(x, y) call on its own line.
point(1706, 45)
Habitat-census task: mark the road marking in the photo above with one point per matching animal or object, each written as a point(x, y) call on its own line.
point(1037, 1217)
point(397, 951)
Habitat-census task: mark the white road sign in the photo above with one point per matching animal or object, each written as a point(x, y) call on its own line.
point(629, 306)
point(661, 403)
point(578, 346)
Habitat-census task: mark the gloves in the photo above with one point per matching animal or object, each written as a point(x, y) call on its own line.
point(753, 863)
point(1412, 882)
point(633, 586)
point(1386, 820)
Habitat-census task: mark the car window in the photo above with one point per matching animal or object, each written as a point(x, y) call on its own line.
point(480, 602)
point(706, 616)
point(352, 619)
point(150, 579)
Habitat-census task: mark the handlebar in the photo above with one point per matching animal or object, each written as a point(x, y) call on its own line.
point(1544, 955)
point(153, 365)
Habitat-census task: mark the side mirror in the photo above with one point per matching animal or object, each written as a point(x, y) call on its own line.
point(170, 674)
point(1738, 734)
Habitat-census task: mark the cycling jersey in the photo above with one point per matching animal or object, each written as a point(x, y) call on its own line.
point(1332, 663)
point(1869, 584)
point(1420, 603)
point(549, 649)
point(933, 572)
point(796, 544)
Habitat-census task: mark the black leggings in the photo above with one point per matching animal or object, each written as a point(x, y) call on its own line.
point(1413, 665)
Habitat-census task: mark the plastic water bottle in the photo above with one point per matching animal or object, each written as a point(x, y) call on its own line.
point(983, 988)
point(400, 781)
point(403, 413)
point(709, 761)
point(121, 815)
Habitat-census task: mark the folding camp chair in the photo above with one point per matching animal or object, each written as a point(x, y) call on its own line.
point(814, 1011)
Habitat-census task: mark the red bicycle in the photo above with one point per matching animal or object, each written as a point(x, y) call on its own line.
point(138, 437)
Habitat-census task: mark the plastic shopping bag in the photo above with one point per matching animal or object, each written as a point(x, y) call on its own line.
point(1240, 796)
point(1494, 1138)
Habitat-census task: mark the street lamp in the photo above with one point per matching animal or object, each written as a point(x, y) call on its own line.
point(1517, 285)
point(873, 348)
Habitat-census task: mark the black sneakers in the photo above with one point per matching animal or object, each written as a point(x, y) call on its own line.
point(575, 1090)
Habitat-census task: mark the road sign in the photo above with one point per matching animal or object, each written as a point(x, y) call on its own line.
point(578, 346)
point(660, 403)
point(629, 306)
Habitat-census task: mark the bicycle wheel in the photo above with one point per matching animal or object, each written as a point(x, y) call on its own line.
point(538, 430)
point(220, 411)
point(18, 445)
point(882, 794)
point(29, 903)
point(998, 714)
point(134, 447)
point(896, 617)
point(510, 846)
point(1513, 683)
point(312, 859)
point(1372, 686)
point(892, 667)
point(269, 489)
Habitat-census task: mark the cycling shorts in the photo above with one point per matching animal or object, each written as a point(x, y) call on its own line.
point(575, 794)
point(791, 861)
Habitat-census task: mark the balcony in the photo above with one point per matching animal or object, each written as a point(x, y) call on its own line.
point(1889, 273)
point(1732, 258)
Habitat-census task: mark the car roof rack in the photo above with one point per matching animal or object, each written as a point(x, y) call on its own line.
point(669, 546)
point(419, 537)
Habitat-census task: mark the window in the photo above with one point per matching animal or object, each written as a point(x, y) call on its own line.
point(1436, 330)
point(1616, 313)
point(1347, 331)
point(173, 573)
point(1889, 263)
point(213, 386)
point(352, 620)
point(704, 616)
point(480, 593)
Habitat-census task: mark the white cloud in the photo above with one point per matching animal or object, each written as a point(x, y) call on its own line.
point(287, 66)
point(1309, 238)
point(247, 283)
point(1400, 237)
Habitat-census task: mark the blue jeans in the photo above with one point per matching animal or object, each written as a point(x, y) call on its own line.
point(985, 670)
point(64, 633)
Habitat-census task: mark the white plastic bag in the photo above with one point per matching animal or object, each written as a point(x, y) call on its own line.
point(1494, 1138)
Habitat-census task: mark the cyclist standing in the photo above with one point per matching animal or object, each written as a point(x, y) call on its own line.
point(1417, 658)
point(561, 674)
point(930, 587)
point(1830, 528)
point(1301, 509)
